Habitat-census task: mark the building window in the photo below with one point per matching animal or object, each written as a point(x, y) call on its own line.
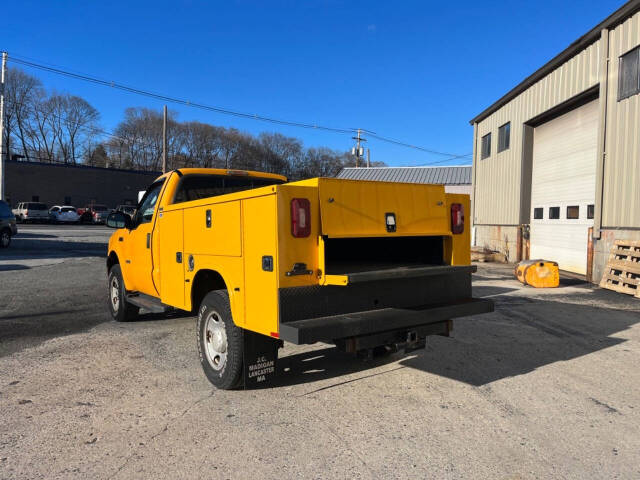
point(629, 74)
point(590, 210)
point(486, 146)
point(504, 137)
point(554, 213)
point(538, 213)
point(573, 212)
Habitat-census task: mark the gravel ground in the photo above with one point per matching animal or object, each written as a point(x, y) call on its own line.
point(545, 387)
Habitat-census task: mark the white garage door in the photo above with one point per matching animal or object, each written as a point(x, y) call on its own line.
point(563, 187)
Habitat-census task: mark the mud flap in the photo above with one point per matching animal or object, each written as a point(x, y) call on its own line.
point(260, 356)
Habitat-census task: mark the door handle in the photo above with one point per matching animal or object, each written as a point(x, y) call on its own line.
point(208, 218)
point(148, 240)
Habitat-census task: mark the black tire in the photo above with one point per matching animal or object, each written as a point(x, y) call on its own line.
point(227, 375)
point(121, 310)
point(5, 238)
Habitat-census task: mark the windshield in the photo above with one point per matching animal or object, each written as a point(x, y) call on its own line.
point(68, 209)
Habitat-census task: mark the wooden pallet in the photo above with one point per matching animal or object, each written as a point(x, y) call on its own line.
point(622, 273)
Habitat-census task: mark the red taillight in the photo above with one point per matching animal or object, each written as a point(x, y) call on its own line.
point(300, 217)
point(457, 218)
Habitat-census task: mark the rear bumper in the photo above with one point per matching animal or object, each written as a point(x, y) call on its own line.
point(326, 329)
point(374, 302)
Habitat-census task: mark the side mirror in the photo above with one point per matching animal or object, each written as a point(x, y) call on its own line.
point(119, 220)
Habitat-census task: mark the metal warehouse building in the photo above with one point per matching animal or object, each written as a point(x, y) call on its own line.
point(456, 179)
point(556, 163)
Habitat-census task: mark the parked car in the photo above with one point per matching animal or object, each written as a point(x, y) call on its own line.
point(128, 209)
point(93, 213)
point(31, 212)
point(63, 214)
point(8, 227)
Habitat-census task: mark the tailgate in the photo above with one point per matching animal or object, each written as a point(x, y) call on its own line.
point(351, 208)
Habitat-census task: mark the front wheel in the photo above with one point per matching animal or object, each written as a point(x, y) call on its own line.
point(121, 310)
point(220, 341)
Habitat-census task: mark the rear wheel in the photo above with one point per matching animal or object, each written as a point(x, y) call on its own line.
point(5, 238)
point(121, 310)
point(220, 341)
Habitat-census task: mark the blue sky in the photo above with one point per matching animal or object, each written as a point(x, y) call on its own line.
point(414, 71)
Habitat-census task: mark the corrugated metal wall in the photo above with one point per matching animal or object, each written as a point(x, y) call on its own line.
point(621, 195)
point(497, 189)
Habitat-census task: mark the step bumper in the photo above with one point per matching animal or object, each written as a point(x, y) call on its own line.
point(327, 329)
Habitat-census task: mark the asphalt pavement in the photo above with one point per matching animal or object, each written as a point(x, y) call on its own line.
point(545, 387)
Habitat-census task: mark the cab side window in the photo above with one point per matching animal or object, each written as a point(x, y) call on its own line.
point(148, 204)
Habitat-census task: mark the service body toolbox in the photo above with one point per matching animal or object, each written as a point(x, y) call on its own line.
point(358, 264)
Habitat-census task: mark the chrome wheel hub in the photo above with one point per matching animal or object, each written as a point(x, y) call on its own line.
point(115, 294)
point(215, 341)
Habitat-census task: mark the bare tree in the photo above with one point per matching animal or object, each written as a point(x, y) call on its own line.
point(281, 153)
point(22, 92)
point(79, 125)
point(201, 144)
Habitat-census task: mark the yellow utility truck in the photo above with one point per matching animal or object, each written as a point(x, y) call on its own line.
point(363, 265)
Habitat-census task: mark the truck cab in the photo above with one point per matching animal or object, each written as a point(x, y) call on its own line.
point(261, 261)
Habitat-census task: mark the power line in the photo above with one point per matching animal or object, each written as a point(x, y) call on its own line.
point(166, 98)
point(52, 68)
point(416, 147)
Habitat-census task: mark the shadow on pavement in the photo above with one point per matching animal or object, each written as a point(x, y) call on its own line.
point(9, 267)
point(27, 249)
point(21, 235)
point(522, 335)
point(489, 290)
point(323, 364)
point(28, 330)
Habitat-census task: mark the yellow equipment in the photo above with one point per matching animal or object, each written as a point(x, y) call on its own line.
point(358, 264)
point(538, 273)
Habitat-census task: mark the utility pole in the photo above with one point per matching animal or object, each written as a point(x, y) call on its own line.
point(2, 143)
point(164, 140)
point(358, 151)
point(368, 157)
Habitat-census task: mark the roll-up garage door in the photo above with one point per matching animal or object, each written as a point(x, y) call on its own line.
point(563, 187)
